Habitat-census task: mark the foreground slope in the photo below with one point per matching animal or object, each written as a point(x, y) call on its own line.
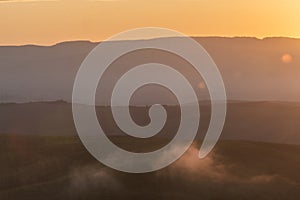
point(59, 167)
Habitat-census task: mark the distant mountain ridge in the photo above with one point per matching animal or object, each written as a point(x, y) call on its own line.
point(194, 37)
point(252, 70)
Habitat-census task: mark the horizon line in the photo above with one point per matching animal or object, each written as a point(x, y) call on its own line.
point(96, 42)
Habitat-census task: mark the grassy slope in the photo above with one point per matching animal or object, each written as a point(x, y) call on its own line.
point(57, 167)
point(276, 122)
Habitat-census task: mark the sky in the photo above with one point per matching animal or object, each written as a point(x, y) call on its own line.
point(50, 22)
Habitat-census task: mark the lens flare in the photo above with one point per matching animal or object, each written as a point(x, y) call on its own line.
point(286, 58)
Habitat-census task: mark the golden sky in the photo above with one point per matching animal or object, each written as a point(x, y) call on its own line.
point(50, 22)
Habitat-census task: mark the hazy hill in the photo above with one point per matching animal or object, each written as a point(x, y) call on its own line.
point(252, 69)
point(257, 121)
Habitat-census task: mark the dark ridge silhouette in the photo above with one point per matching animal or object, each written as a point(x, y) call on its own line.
point(275, 122)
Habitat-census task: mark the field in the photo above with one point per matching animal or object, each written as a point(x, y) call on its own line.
point(59, 167)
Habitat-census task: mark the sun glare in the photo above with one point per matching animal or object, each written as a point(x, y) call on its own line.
point(286, 58)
